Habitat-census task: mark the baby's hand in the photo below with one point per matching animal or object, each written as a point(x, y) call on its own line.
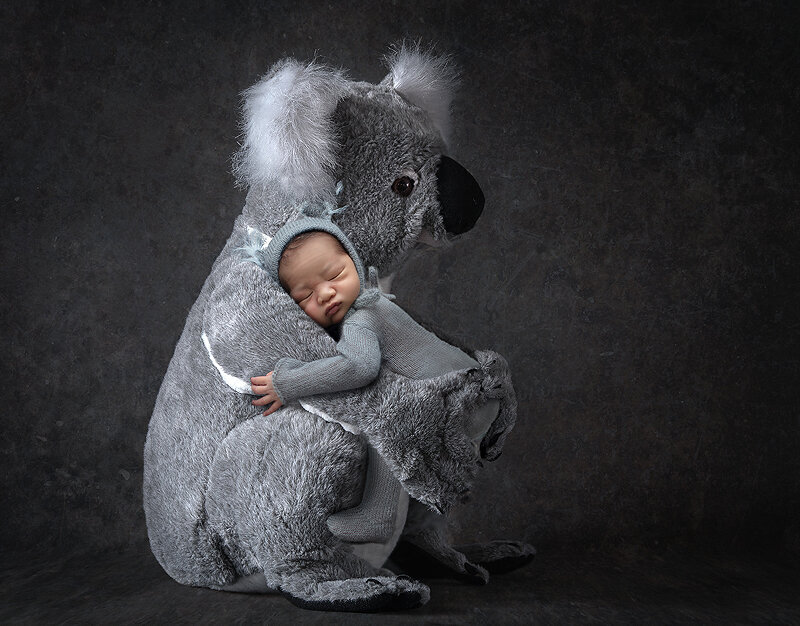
point(262, 386)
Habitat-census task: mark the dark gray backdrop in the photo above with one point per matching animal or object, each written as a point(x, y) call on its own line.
point(636, 262)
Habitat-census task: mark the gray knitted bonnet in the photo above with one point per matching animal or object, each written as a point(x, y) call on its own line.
point(270, 256)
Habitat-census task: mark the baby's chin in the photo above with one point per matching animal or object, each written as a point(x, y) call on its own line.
point(339, 316)
point(340, 313)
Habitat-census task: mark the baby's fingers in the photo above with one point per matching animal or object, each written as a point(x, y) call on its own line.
point(260, 390)
point(275, 406)
point(264, 400)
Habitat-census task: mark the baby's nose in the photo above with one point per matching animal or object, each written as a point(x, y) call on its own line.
point(326, 293)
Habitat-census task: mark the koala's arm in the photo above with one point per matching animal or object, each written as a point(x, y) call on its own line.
point(418, 427)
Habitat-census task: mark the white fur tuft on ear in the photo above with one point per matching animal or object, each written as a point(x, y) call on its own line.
point(288, 138)
point(427, 80)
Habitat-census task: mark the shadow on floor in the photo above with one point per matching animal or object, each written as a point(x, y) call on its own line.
point(631, 586)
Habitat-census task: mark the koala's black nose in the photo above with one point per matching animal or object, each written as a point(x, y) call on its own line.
point(460, 196)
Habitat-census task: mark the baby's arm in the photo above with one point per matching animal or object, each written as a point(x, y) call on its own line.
point(357, 364)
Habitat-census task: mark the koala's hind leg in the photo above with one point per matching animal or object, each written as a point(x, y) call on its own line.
point(273, 484)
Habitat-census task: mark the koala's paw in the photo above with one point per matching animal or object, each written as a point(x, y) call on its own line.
point(496, 384)
point(359, 595)
point(496, 375)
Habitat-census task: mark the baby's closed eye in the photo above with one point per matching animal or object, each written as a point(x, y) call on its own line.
point(337, 273)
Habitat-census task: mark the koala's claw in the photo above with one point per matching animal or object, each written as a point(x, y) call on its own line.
point(475, 574)
point(488, 443)
point(500, 556)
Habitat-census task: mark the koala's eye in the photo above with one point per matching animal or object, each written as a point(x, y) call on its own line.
point(403, 186)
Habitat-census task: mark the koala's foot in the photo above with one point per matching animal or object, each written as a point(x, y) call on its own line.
point(359, 595)
point(426, 553)
point(446, 563)
point(499, 557)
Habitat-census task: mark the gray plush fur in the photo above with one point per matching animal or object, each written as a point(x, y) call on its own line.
point(233, 497)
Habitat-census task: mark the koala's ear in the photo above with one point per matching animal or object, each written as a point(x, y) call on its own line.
point(287, 132)
point(427, 80)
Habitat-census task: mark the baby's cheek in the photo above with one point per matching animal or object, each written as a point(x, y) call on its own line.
point(307, 311)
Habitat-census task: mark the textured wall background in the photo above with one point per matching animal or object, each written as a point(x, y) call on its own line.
point(637, 262)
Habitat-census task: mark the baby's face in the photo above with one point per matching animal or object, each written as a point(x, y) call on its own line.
point(321, 278)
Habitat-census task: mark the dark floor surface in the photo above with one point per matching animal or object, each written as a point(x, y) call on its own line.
point(631, 586)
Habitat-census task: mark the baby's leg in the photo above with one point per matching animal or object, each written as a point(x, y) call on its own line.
point(373, 520)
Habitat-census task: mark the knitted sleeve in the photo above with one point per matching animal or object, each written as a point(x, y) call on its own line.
point(356, 365)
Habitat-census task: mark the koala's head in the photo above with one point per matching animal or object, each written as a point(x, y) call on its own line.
point(307, 128)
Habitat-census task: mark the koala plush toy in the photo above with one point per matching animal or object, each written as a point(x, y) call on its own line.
point(238, 501)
